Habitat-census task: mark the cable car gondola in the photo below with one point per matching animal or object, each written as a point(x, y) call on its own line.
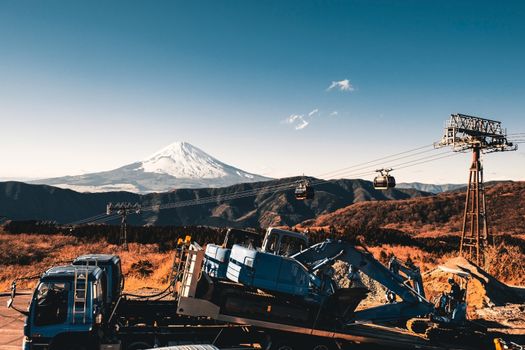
point(304, 190)
point(384, 180)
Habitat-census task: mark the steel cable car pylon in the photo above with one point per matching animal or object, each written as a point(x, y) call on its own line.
point(464, 133)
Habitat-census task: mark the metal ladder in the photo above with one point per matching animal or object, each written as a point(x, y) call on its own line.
point(176, 268)
point(191, 271)
point(80, 293)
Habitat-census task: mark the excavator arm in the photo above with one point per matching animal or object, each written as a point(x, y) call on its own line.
point(413, 302)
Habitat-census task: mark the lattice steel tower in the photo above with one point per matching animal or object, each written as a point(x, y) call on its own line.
point(464, 133)
point(123, 210)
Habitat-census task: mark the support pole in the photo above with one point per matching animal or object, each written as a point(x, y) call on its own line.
point(123, 210)
point(474, 233)
point(123, 241)
point(466, 132)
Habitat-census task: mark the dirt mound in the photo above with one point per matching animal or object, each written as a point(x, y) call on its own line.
point(483, 289)
point(376, 294)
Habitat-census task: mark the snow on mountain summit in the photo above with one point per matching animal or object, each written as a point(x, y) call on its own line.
point(179, 165)
point(181, 159)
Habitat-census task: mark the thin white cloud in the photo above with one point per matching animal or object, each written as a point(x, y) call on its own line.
point(303, 124)
point(334, 113)
point(315, 111)
point(300, 121)
point(292, 118)
point(342, 85)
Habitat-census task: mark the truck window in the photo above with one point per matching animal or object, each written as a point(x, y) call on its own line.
point(273, 240)
point(51, 303)
point(97, 291)
point(291, 245)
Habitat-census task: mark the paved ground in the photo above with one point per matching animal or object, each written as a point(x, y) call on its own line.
point(12, 323)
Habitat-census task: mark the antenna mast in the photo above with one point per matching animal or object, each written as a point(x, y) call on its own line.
point(464, 133)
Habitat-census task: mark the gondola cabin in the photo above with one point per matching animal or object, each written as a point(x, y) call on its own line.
point(384, 180)
point(304, 191)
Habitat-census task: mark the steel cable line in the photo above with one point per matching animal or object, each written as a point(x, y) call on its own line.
point(101, 218)
point(209, 199)
point(431, 160)
point(376, 165)
point(218, 198)
point(373, 161)
point(276, 187)
point(394, 166)
point(397, 166)
point(93, 218)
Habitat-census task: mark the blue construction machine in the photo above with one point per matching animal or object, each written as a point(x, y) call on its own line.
point(301, 289)
point(276, 241)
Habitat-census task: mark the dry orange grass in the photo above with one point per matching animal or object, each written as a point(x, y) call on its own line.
point(422, 259)
point(27, 255)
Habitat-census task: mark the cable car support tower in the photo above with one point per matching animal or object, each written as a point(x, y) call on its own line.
point(464, 133)
point(123, 210)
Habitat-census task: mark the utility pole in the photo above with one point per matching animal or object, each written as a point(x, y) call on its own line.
point(123, 209)
point(468, 133)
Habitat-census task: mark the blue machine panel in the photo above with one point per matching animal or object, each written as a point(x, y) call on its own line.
point(216, 260)
point(267, 271)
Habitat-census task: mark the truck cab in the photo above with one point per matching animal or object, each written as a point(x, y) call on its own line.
point(67, 308)
point(111, 265)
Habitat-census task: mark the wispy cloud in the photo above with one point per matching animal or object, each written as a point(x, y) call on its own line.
point(315, 111)
point(334, 113)
point(297, 120)
point(303, 124)
point(342, 85)
point(301, 121)
point(293, 118)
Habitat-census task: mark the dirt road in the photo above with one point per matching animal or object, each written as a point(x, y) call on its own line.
point(12, 323)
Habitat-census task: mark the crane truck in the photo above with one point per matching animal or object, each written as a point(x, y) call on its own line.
point(259, 297)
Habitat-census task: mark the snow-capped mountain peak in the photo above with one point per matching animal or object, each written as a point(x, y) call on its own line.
point(178, 165)
point(183, 160)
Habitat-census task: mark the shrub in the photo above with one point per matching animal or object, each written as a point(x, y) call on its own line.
point(143, 268)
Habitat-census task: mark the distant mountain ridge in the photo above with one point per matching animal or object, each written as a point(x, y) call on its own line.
point(432, 188)
point(442, 213)
point(179, 165)
point(204, 206)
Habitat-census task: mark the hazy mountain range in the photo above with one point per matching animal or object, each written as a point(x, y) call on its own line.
point(432, 188)
point(259, 204)
point(179, 165)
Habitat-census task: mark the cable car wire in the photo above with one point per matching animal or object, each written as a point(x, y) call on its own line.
point(374, 160)
point(101, 218)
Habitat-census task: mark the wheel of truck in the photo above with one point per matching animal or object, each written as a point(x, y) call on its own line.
point(319, 344)
point(139, 345)
point(284, 344)
point(71, 346)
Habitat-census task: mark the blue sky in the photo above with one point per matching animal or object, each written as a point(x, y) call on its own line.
point(91, 85)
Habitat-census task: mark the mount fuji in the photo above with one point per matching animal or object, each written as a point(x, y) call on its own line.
point(179, 165)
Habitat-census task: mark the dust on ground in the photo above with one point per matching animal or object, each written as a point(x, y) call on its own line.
point(483, 289)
